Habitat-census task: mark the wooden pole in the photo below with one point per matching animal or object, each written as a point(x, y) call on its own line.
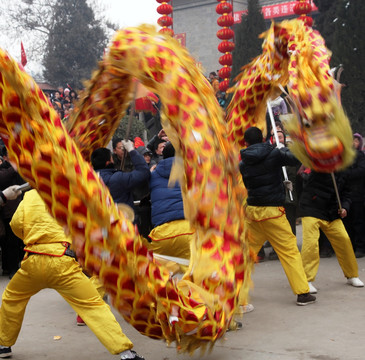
point(336, 190)
point(129, 126)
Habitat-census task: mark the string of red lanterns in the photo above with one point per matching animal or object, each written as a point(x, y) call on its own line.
point(165, 21)
point(226, 46)
point(303, 8)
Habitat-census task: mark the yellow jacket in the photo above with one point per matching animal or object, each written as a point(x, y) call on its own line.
point(39, 231)
point(215, 85)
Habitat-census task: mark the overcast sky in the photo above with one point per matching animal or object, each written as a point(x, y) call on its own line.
point(132, 12)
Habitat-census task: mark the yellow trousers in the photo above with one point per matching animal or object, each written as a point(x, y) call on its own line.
point(172, 239)
point(98, 285)
point(339, 239)
point(270, 223)
point(64, 275)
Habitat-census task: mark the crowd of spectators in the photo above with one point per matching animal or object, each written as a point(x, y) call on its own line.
point(63, 101)
point(221, 96)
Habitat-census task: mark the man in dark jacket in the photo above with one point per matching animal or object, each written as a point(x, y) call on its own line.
point(320, 209)
point(120, 183)
point(265, 215)
point(11, 245)
point(122, 160)
point(355, 219)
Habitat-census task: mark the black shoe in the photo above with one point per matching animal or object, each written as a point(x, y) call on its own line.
point(359, 254)
point(305, 299)
point(234, 325)
point(136, 356)
point(5, 352)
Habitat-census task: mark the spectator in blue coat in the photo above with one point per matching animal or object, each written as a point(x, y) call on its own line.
point(172, 233)
point(120, 183)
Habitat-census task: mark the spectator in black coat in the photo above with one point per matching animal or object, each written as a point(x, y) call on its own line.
point(12, 246)
point(355, 220)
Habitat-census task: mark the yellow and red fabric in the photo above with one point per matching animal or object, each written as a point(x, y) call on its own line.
point(294, 55)
point(196, 310)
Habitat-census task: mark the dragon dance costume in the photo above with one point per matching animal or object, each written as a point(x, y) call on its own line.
point(197, 310)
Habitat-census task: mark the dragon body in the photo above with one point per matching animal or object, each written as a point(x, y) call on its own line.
point(196, 310)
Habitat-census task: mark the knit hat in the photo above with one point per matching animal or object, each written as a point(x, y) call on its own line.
point(100, 157)
point(147, 152)
point(168, 150)
point(138, 142)
point(361, 141)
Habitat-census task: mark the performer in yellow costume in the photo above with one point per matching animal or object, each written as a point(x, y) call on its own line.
point(49, 263)
point(265, 214)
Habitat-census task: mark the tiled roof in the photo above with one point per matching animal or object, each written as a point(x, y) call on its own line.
point(46, 86)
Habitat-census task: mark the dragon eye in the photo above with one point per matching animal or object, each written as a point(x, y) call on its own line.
point(306, 123)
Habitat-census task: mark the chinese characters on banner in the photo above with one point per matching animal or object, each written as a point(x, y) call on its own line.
point(181, 38)
point(274, 11)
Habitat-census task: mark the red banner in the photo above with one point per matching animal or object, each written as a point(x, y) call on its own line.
point(181, 38)
point(273, 11)
point(23, 55)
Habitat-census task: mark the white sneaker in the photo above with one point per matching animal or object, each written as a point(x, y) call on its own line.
point(312, 289)
point(355, 281)
point(244, 309)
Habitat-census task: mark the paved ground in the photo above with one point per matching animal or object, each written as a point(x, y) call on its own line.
point(331, 329)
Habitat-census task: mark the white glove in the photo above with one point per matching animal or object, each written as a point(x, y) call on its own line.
point(128, 145)
point(280, 145)
point(288, 184)
point(12, 192)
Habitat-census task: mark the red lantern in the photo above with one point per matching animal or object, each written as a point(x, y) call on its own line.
point(307, 20)
point(302, 7)
point(164, 9)
point(225, 20)
point(167, 31)
point(223, 85)
point(226, 59)
point(226, 46)
point(225, 34)
point(223, 8)
point(225, 72)
point(164, 21)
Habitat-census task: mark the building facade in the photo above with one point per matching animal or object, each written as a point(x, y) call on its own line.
point(195, 25)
